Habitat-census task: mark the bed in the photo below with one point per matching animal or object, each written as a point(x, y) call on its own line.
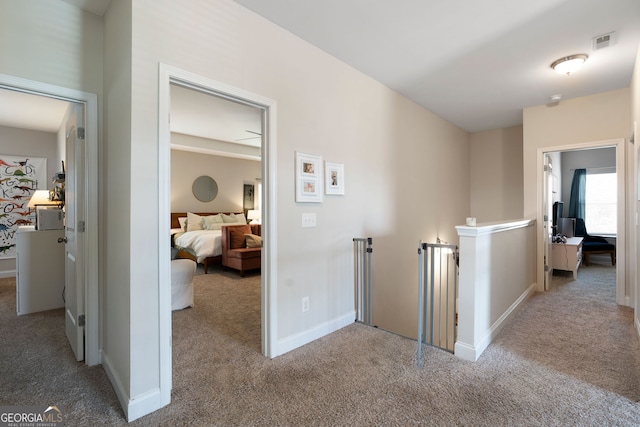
point(198, 236)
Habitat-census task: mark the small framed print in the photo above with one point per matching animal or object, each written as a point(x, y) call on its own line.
point(308, 178)
point(333, 178)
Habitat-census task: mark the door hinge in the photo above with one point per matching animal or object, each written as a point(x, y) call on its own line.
point(545, 218)
point(545, 168)
point(80, 133)
point(546, 268)
point(81, 226)
point(81, 320)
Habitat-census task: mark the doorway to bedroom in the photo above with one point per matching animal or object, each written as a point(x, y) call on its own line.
point(215, 196)
point(263, 336)
point(604, 220)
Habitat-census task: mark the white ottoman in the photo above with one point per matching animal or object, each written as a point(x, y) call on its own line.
point(182, 271)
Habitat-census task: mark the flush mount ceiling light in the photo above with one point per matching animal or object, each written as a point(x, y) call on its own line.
point(569, 64)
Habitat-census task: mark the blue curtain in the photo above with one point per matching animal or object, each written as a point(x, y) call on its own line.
point(578, 191)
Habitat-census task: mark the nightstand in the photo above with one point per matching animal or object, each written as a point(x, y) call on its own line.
point(567, 256)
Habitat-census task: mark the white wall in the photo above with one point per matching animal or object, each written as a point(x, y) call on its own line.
point(634, 178)
point(51, 42)
point(229, 173)
point(497, 275)
point(119, 341)
point(496, 174)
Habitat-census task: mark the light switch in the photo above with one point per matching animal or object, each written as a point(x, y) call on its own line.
point(308, 220)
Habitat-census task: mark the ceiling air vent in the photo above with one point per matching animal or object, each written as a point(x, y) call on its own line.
point(604, 40)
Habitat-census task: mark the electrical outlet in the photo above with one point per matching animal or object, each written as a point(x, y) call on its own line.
point(308, 220)
point(305, 304)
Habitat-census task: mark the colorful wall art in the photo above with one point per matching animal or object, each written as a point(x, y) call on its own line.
point(19, 178)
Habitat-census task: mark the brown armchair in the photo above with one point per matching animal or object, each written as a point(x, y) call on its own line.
point(235, 253)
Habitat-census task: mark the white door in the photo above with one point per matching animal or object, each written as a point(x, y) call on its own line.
point(547, 208)
point(74, 237)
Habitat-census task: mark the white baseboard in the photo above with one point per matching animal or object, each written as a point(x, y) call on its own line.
point(465, 351)
point(290, 343)
point(7, 273)
point(142, 405)
point(637, 323)
point(473, 351)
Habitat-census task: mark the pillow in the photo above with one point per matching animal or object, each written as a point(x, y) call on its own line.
point(237, 236)
point(253, 241)
point(183, 223)
point(209, 221)
point(194, 222)
point(240, 218)
point(234, 218)
point(229, 218)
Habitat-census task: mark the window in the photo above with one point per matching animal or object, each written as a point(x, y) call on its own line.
point(601, 203)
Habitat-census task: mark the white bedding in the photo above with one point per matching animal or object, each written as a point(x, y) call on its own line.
point(202, 243)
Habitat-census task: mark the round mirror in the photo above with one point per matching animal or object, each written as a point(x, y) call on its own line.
point(205, 188)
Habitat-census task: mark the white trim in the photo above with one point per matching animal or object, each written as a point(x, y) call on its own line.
point(298, 340)
point(92, 287)
point(118, 387)
point(140, 406)
point(621, 171)
point(492, 227)
point(472, 353)
point(7, 273)
point(171, 75)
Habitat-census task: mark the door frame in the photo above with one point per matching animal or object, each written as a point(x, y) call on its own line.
point(171, 75)
point(92, 287)
point(622, 297)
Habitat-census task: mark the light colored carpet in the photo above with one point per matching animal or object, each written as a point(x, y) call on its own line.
point(570, 357)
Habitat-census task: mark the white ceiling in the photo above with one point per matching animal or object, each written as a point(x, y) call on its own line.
point(208, 116)
point(27, 111)
point(477, 64)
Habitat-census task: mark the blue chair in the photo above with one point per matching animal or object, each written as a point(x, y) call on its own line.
point(593, 244)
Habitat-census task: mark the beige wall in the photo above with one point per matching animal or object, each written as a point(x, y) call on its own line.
point(230, 175)
point(600, 117)
point(406, 169)
point(496, 174)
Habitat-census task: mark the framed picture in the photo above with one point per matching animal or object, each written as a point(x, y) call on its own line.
point(333, 178)
point(308, 178)
point(247, 198)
